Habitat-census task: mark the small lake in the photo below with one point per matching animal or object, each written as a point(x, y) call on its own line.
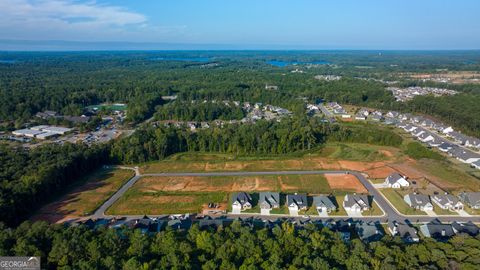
point(183, 59)
point(7, 61)
point(287, 63)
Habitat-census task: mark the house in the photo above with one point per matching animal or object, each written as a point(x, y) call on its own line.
point(241, 201)
point(476, 164)
point(471, 199)
point(447, 130)
point(324, 204)
point(437, 230)
point(369, 231)
point(467, 156)
point(406, 232)
point(344, 228)
point(356, 202)
point(377, 117)
point(465, 228)
point(396, 180)
point(359, 116)
point(297, 202)
point(426, 137)
point(27, 133)
point(180, 224)
point(410, 128)
point(418, 201)
point(447, 202)
point(458, 137)
point(269, 200)
point(417, 132)
point(392, 114)
point(444, 147)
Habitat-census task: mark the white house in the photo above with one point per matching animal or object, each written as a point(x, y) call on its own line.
point(418, 201)
point(396, 180)
point(447, 130)
point(448, 202)
point(356, 203)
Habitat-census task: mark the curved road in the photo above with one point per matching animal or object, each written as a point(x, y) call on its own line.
point(390, 212)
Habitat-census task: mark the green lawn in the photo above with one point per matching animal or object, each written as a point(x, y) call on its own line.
point(396, 199)
point(440, 211)
point(156, 203)
point(340, 211)
point(374, 210)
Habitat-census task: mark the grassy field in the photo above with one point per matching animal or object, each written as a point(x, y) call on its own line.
point(167, 195)
point(157, 203)
point(440, 211)
point(396, 199)
point(321, 159)
point(85, 196)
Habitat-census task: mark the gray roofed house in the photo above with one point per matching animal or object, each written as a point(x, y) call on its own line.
point(447, 202)
point(472, 199)
point(396, 180)
point(427, 123)
point(466, 156)
point(369, 231)
point(377, 117)
point(269, 200)
point(458, 137)
point(476, 164)
point(437, 230)
point(406, 232)
point(241, 201)
point(324, 204)
point(297, 201)
point(444, 147)
point(465, 228)
point(418, 201)
point(356, 202)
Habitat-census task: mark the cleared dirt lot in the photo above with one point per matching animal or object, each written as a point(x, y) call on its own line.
point(84, 197)
point(169, 195)
point(345, 182)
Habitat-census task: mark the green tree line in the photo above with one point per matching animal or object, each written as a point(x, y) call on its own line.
point(232, 247)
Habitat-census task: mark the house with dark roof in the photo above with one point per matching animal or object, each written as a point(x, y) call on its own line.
point(472, 199)
point(356, 202)
point(297, 202)
point(369, 231)
point(467, 156)
point(465, 228)
point(447, 202)
point(476, 164)
point(418, 201)
point(437, 230)
point(324, 204)
point(396, 180)
point(445, 147)
point(343, 227)
point(404, 231)
point(241, 201)
point(269, 200)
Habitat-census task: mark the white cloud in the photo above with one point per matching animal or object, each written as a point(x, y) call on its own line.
point(75, 20)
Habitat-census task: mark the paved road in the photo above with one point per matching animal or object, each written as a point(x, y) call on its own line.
point(390, 212)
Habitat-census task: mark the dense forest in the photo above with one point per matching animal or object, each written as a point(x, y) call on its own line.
point(29, 178)
point(232, 247)
point(263, 137)
point(199, 111)
point(67, 82)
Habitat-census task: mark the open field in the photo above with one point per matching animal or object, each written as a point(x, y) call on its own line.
point(332, 156)
point(166, 195)
point(86, 196)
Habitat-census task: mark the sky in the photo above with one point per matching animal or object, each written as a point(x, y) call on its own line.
point(245, 24)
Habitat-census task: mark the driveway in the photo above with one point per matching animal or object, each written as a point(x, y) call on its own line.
point(293, 213)
point(463, 213)
point(236, 211)
point(265, 212)
point(430, 213)
point(354, 213)
point(322, 213)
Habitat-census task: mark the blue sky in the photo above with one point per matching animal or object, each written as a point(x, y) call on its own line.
point(302, 24)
